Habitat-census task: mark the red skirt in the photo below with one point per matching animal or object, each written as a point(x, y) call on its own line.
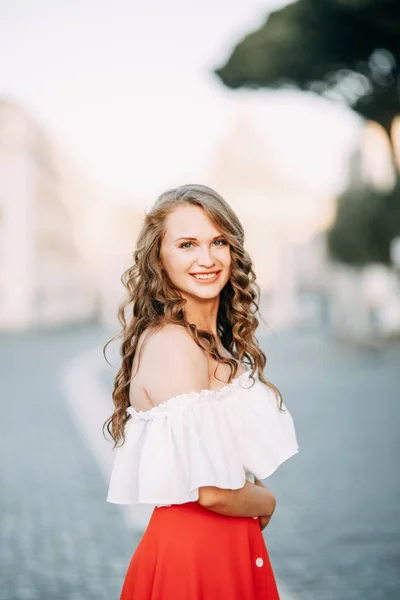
point(191, 553)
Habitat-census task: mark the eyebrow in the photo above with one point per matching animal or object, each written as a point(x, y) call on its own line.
point(193, 239)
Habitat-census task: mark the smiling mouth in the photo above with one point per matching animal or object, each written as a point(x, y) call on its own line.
point(206, 276)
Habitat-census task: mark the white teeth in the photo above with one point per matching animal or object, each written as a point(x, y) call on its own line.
point(205, 275)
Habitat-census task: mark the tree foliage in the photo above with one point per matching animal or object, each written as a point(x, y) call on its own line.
point(347, 49)
point(366, 222)
point(343, 49)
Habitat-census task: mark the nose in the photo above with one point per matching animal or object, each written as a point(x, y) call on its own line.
point(205, 258)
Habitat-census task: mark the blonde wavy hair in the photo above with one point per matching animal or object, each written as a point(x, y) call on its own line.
point(152, 300)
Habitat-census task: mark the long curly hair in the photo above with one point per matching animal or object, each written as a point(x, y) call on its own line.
point(152, 300)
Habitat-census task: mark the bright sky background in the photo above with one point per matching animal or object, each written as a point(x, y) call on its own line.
point(126, 88)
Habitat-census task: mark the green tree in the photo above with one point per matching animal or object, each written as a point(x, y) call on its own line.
point(366, 222)
point(341, 49)
point(347, 49)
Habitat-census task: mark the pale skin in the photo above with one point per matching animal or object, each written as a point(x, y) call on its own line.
point(193, 246)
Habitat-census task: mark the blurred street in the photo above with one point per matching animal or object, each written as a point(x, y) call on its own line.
point(335, 534)
point(59, 538)
point(336, 529)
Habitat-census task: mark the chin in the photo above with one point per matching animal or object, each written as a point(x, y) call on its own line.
point(202, 294)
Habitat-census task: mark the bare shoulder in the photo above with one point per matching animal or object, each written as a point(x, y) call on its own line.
point(172, 343)
point(171, 363)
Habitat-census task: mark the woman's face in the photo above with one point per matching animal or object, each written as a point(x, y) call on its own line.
point(194, 253)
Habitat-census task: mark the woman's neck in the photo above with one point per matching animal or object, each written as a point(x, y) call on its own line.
point(203, 314)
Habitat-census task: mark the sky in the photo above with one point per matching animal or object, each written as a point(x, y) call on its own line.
point(127, 89)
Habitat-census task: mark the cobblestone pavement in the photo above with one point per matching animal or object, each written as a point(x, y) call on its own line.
point(335, 534)
point(59, 538)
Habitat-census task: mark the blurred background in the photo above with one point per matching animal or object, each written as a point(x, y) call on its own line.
point(291, 111)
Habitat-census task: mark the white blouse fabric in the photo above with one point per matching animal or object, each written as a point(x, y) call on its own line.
point(207, 438)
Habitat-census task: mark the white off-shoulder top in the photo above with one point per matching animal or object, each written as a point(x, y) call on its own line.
point(207, 438)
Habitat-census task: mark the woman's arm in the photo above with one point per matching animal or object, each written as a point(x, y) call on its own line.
point(252, 500)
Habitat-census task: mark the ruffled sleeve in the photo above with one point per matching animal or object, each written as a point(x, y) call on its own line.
point(207, 438)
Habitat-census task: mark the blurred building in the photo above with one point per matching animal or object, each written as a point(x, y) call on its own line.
point(119, 226)
point(354, 303)
point(365, 302)
point(276, 211)
point(360, 303)
point(285, 223)
point(45, 205)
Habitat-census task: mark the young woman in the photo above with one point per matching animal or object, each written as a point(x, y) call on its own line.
point(196, 430)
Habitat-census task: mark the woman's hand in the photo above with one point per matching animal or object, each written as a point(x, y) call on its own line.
point(263, 520)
